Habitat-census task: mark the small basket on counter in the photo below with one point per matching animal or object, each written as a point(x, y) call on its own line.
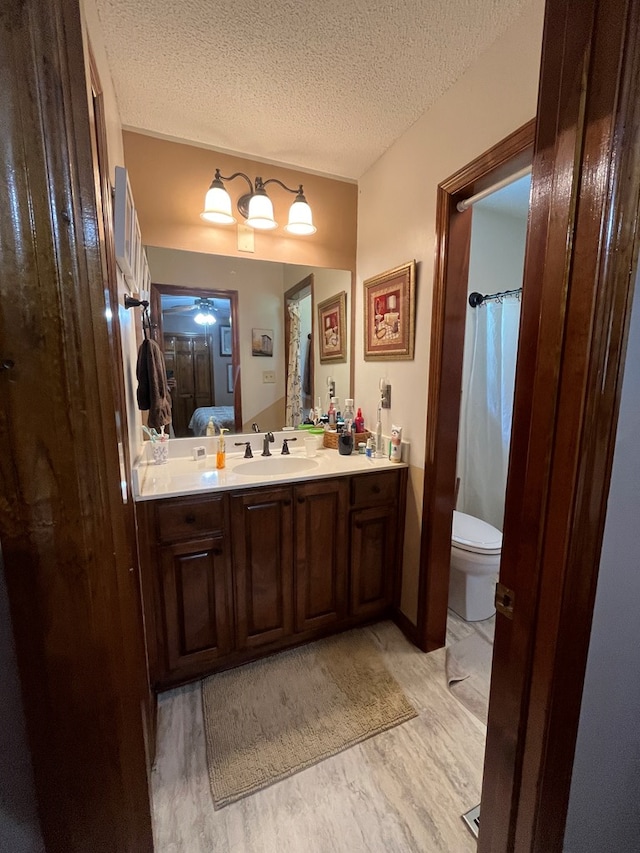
point(331, 439)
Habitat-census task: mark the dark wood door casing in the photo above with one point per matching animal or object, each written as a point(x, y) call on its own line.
point(70, 578)
point(451, 275)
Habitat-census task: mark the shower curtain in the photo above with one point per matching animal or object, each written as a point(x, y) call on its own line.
point(293, 411)
point(487, 406)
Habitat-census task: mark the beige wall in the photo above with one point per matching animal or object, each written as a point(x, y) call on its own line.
point(396, 222)
point(169, 181)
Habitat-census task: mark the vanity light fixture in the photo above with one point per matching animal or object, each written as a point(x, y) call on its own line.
point(256, 206)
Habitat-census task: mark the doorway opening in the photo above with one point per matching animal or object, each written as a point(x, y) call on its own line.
point(298, 350)
point(198, 333)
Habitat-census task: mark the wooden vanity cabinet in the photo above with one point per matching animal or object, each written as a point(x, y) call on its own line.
point(229, 578)
point(321, 553)
point(188, 578)
point(262, 532)
point(376, 500)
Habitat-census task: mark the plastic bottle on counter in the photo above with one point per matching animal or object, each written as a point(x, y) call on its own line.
point(211, 427)
point(332, 412)
point(359, 421)
point(221, 453)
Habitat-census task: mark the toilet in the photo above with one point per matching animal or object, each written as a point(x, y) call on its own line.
point(475, 562)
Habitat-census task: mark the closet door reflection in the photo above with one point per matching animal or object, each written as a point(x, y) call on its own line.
point(188, 358)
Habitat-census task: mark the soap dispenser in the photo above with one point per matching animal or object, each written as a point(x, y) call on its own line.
point(221, 452)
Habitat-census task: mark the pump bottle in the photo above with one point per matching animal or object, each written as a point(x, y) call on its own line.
point(221, 453)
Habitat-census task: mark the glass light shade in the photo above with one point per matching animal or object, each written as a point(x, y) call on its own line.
point(261, 212)
point(203, 318)
point(300, 220)
point(217, 207)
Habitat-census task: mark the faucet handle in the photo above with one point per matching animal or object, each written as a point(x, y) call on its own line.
point(285, 446)
point(247, 450)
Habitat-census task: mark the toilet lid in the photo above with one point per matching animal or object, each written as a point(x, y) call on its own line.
point(473, 534)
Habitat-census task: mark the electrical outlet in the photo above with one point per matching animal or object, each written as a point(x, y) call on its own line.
point(268, 376)
point(386, 396)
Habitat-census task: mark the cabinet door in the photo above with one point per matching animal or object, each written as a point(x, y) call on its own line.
point(373, 559)
point(263, 565)
point(196, 603)
point(321, 553)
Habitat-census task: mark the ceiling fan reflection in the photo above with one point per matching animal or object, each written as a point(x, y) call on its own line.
point(203, 308)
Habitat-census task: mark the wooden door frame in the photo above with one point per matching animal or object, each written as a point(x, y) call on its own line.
point(579, 276)
point(290, 294)
point(232, 295)
point(453, 243)
point(71, 581)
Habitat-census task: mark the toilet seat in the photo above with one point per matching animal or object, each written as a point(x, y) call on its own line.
point(474, 535)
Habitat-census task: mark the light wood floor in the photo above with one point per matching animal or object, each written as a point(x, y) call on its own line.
point(402, 791)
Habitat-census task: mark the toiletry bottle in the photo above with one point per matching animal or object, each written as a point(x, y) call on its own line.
point(379, 448)
point(221, 453)
point(359, 421)
point(395, 447)
point(211, 428)
point(348, 413)
point(332, 413)
point(319, 411)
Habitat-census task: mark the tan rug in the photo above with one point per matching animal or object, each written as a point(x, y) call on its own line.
point(468, 668)
point(268, 720)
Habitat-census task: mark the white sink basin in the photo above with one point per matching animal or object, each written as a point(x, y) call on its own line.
point(276, 466)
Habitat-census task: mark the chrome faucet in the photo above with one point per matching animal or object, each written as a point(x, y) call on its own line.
point(255, 427)
point(268, 439)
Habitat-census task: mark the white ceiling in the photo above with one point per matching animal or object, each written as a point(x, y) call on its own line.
point(326, 86)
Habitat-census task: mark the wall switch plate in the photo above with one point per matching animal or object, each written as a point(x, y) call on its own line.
point(268, 376)
point(246, 241)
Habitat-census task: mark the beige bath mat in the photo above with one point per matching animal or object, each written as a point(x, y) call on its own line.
point(270, 719)
point(468, 668)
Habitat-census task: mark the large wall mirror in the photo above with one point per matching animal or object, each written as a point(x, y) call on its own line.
point(224, 324)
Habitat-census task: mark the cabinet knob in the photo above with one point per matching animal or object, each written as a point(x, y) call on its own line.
point(190, 519)
point(217, 551)
point(300, 500)
point(375, 490)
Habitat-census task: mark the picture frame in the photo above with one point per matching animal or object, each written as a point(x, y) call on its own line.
point(225, 340)
point(125, 236)
point(230, 378)
point(332, 328)
point(389, 314)
point(262, 342)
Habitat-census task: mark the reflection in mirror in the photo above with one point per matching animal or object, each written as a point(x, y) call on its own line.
point(259, 288)
point(195, 330)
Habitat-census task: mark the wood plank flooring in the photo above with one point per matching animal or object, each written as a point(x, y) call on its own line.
point(402, 791)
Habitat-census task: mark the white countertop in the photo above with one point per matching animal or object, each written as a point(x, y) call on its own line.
point(185, 476)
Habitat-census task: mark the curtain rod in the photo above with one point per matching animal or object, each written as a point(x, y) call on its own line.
point(468, 202)
point(476, 298)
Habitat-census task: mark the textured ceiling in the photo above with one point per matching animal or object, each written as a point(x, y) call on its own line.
point(325, 86)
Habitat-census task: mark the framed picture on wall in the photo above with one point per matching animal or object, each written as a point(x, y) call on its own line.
point(225, 340)
point(126, 237)
point(332, 328)
point(230, 379)
point(262, 342)
point(389, 314)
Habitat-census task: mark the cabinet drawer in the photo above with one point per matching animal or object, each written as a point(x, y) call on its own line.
point(181, 519)
point(369, 489)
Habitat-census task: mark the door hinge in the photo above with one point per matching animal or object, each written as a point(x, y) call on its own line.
point(504, 600)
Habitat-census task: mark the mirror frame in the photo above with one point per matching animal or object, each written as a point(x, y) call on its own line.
point(158, 290)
